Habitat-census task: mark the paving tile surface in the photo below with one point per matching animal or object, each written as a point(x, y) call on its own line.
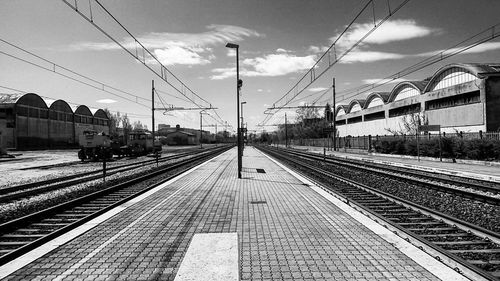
point(286, 231)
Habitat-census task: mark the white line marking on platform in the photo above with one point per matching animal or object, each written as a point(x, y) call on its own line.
point(31, 256)
point(435, 267)
point(210, 257)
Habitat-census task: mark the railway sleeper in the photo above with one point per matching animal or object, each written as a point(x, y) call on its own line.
point(69, 215)
point(32, 230)
point(481, 262)
point(434, 229)
point(75, 214)
point(423, 224)
point(22, 236)
point(49, 225)
point(476, 251)
point(59, 220)
point(449, 235)
point(12, 244)
point(87, 207)
point(460, 243)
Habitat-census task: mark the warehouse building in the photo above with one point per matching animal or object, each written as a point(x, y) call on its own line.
point(458, 97)
point(27, 121)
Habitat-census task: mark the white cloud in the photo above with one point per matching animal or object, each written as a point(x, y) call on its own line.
point(106, 101)
point(179, 55)
point(223, 73)
point(260, 90)
point(231, 52)
point(179, 48)
point(389, 31)
point(269, 65)
point(280, 50)
point(318, 89)
point(369, 56)
point(278, 64)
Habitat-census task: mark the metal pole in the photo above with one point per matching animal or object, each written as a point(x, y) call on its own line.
point(238, 110)
point(440, 149)
point(333, 119)
point(153, 118)
point(201, 125)
point(286, 133)
point(418, 146)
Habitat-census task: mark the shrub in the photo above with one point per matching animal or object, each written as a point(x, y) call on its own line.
point(451, 147)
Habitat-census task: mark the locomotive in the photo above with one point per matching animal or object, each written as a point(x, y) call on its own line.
point(98, 146)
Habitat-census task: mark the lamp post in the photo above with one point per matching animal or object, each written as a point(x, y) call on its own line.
point(238, 86)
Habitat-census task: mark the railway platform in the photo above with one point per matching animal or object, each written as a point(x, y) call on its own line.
point(209, 225)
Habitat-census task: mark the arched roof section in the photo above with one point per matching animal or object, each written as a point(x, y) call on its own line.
point(406, 89)
point(341, 109)
point(32, 100)
point(355, 106)
point(83, 110)
point(60, 105)
point(101, 114)
point(457, 73)
point(376, 99)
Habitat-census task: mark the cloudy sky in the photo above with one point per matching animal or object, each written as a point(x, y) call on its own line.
point(279, 41)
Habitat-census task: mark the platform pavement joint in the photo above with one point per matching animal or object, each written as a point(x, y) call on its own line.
point(286, 231)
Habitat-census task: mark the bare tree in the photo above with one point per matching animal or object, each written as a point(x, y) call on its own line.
point(409, 124)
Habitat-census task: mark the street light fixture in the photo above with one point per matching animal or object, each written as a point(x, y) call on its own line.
point(238, 86)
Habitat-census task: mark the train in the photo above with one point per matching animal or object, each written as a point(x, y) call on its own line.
point(98, 145)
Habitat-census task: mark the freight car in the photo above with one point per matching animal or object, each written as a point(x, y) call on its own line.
point(97, 146)
point(94, 146)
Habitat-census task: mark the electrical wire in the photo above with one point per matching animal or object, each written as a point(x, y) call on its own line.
point(312, 72)
point(55, 70)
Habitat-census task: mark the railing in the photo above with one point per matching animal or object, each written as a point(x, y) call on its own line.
point(366, 142)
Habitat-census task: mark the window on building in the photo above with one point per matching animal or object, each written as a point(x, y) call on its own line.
point(375, 116)
point(354, 120)
point(458, 100)
point(404, 110)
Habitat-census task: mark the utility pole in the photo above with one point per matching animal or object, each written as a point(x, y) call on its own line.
point(286, 133)
point(333, 119)
point(153, 118)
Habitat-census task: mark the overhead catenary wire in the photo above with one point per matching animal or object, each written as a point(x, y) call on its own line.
point(312, 71)
point(56, 67)
point(164, 71)
point(481, 37)
point(488, 34)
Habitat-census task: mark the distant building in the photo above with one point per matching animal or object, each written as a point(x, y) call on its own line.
point(27, 121)
point(163, 126)
point(458, 97)
point(180, 137)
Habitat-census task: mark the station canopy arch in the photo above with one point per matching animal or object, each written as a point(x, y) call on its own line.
point(455, 74)
point(376, 99)
point(341, 110)
point(356, 105)
point(406, 89)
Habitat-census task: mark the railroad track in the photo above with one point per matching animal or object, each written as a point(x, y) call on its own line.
point(467, 248)
point(25, 190)
point(488, 191)
point(26, 233)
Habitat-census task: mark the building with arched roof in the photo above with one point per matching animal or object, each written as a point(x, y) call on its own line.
point(101, 121)
point(28, 121)
point(458, 97)
point(61, 126)
point(84, 120)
